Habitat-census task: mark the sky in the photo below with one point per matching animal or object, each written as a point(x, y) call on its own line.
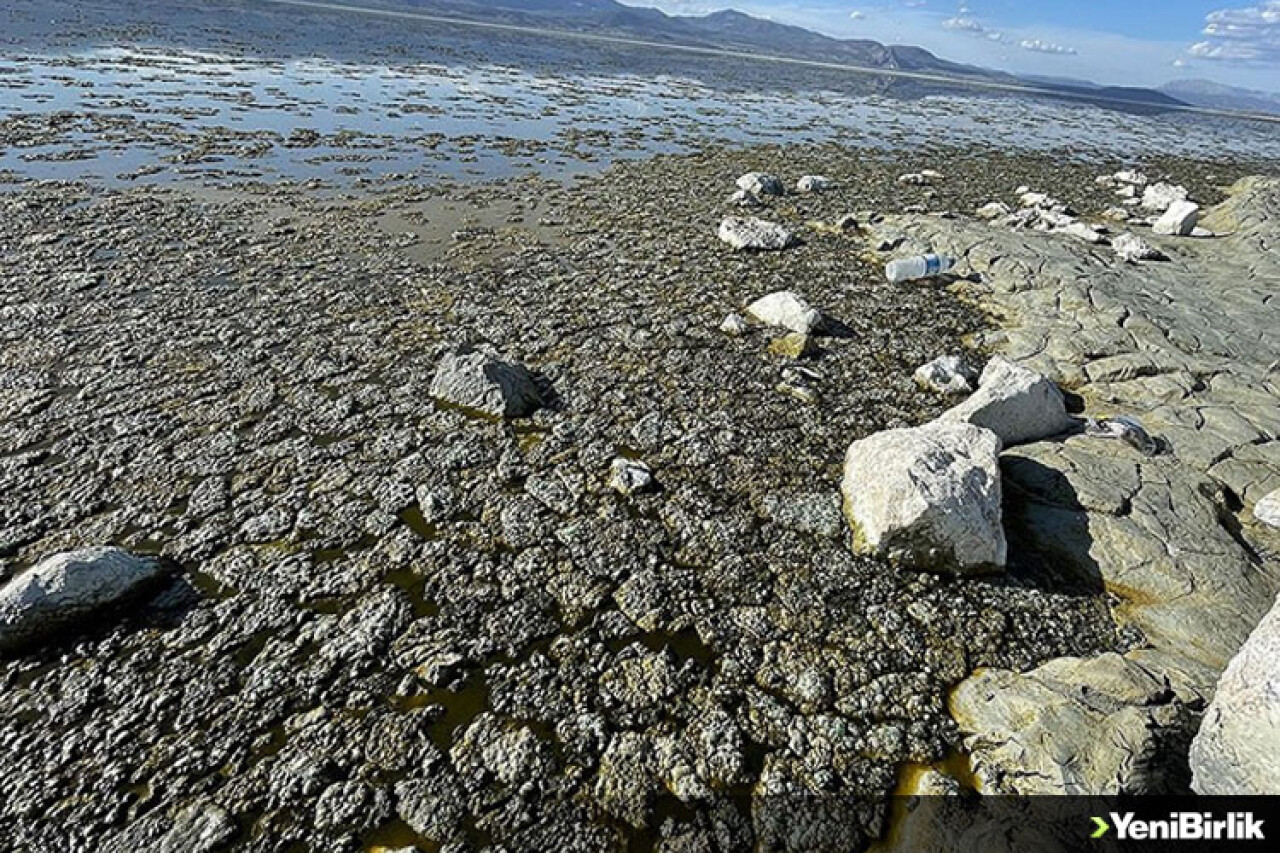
point(1120, 42)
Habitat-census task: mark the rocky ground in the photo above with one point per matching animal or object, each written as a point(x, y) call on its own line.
point(396, 624)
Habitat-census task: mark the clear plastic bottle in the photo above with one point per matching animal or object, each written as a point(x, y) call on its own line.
point(921, 266)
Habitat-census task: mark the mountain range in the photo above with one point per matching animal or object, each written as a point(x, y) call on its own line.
point(735, 31)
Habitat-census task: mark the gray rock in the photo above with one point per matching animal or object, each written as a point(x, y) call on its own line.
point(66, 587)
point(629, 476)
point(1267, 510)
point(1179, 220)
point(1160, 197)
point(786, 310)
point(928, 497)
point(993, 210)
point(760, 183)
point(477, 379)
point(1237, 750)
point(734, 324)
point(1015, 403)
point(946, 374)
point(1084, 726)
point(755, 234)
point(813, 184)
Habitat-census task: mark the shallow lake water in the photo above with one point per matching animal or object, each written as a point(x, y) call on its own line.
point(362, 98)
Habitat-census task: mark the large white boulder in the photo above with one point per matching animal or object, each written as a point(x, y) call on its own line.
point(66, 587)
point(760, 183)
point(1015, 403)
point(1179, 220)
point(786, 310)
point(1237, 750)
point(927, 497)
point(477, 379)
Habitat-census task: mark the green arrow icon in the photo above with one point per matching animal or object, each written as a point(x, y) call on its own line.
point(1102, 827)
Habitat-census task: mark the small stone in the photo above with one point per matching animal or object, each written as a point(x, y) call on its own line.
point(629, 476)
point(793, 345)
point(813, 184)
point(757, 234)
point(993, 210)
point(1084, 232)
point(947, 374)
point(760, 183)
point(735, 324)
point(1160, 197)
point(1132, 248)
point(799, 391)
point(786, 310)
point(1179, 220)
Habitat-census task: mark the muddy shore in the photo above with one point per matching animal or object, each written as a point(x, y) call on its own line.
point(400, 625)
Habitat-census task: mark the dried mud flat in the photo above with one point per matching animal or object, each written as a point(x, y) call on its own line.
point(399, 625)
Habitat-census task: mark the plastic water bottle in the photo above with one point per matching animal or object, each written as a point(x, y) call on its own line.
point(921, 266)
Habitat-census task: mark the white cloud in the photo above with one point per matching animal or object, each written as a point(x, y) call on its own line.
point(1247, 36)
point(972, 26)
point(1041, 46)
point(856, 15)
point(968, 25)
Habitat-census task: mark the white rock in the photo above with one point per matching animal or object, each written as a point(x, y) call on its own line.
point(1237, 750)
point(753, 233)
point(786, 310)
point(67, 587)
point(760, 183)
point(932, 174)
point(993, 210)
point(917, 179)
point(1022, 190)
point(1127, 191)
point(1159, 197)
point(813, 184)
point(1116, 214)
point(742, 198)
point(735, 324)
point(476, 378)
point(1131, 177)
point(1084, 232)
point(628, 476)
point(1132, 248)
point(927, 497)
point(1267, 510)
point(1179, 220)
point(1015, 403)
point(946, 374)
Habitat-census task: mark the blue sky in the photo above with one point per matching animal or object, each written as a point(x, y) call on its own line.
point(1134, 42)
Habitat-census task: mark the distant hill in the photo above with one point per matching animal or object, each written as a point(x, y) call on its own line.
point(733, 30)
point(1206, 93)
